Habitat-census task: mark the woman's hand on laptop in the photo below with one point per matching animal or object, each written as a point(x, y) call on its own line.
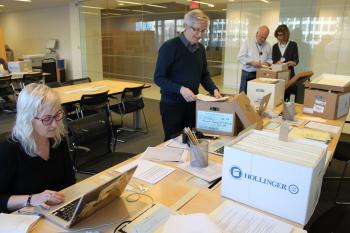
point(47, 199)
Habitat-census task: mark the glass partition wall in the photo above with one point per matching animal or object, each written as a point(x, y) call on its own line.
point(120, 39)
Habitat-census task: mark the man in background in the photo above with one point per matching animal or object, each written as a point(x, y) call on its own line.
point(254, 54)
point(181, 67)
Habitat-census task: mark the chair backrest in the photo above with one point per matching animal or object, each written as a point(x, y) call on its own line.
point(48, 65)
point(78, 81)
point(6, 86)
point(32, 78)
point(97, 102)
point(298, 76)
point(132, 96)
point(91, 131)
point(53, 84)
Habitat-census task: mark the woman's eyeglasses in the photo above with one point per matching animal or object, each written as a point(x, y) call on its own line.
point(47, 120)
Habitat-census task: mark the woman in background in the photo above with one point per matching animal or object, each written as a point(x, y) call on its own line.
point(285, 51)
point(35, 162)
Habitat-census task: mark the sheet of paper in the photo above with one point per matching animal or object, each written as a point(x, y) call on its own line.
point(232, 217)
point(323, 127)
point(167, 154)
point(310, 134)
point(209, 98)
point(210, 173)
point(176, 143)
point(190, 223)
point(16, 223)
point(147, 171)
point(311, 118)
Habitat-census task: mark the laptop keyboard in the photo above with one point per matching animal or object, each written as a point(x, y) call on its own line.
point(220, 150)
point(66, 212)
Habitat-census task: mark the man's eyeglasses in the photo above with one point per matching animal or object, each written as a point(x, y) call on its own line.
point(198, 30)
point(47, 120)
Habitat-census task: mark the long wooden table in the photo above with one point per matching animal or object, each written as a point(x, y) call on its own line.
point(73, 93)
point(167, 192)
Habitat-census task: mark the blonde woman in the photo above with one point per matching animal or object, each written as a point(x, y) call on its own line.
point(35, 162)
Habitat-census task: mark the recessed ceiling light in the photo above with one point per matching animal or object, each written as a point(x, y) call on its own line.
point(265, 1)
point(23, 0)
point(231, 0)
point(158, 6)
point(127, 2)
point(2, 6)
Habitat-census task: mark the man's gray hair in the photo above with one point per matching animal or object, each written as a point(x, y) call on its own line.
point(33, 100)
point(195, 16)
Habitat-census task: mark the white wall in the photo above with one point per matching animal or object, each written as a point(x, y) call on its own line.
point(27, 32)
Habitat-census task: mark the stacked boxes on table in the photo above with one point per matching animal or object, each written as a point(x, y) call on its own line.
point(258, 88)
point(327, 96)
point(280, 71)
point(20, 66)
point(280, 177)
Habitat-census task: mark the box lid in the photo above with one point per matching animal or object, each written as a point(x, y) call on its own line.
point(332, 82)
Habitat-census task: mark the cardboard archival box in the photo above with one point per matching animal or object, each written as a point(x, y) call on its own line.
point(279, 67)
point(226, 117)
point(20, 66)
point(286, 189)
point(327, 96)
point(267, 73)
point(258, 88)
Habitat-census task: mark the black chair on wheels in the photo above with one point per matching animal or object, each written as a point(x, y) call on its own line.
point(36, 77)
point(91, 139)
point(48, 65)
point(131, 102)
point(93, 103)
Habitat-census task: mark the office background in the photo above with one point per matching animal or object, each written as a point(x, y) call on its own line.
point(120, 39)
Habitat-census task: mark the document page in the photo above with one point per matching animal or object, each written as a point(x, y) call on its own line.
point(210, 173)
point(16, 223)
point(190, 223)
point(165, 154)
point(176, 143)
point(232, 217)
point(323, 127)
point(209, 98)
point(147, 171)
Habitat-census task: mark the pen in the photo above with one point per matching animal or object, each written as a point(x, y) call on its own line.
point(214, 183)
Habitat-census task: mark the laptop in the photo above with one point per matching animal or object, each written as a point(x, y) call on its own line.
point(74, 211)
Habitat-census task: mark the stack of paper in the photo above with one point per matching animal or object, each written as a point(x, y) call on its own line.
point(210, 98)
point(147, 171)
point(310, 134)
point(323, 127)
point(16, 223)
point(294, 152)
point(209, 173)
point(166, 154)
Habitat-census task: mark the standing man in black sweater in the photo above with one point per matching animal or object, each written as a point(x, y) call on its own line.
point(181, 68)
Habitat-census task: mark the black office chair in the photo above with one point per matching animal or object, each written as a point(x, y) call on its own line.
point(7, 90)
point(334, 220)
point(91, 144)
point(48, 65)
point(77, 81)
point(36, 77)
point(296, 86)
point(131, 102)
point(93, 103)
point(53, 84)
point(341, 153)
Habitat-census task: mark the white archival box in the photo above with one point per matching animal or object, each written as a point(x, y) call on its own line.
point(258, 88)
point(19, 66)
point(288, 186)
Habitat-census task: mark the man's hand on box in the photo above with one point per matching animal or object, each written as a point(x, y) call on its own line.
point(187, 94)
point(217, 94)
